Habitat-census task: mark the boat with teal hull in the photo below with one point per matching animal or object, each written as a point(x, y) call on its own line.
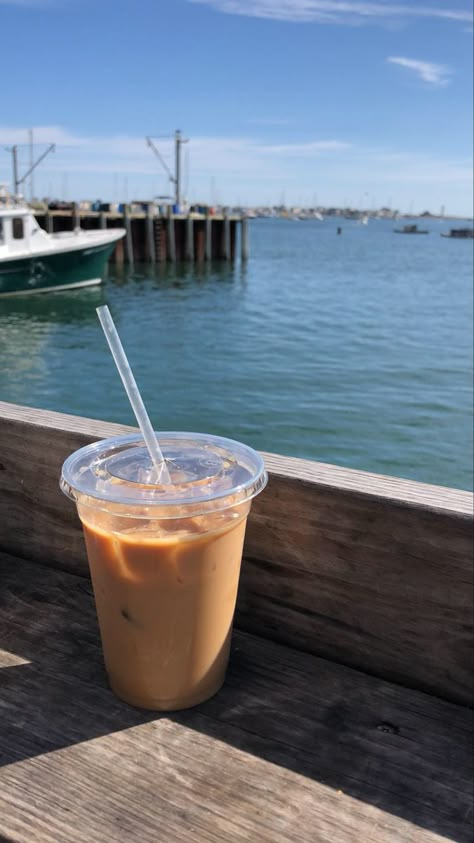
point(57, 271)
point(33, 261)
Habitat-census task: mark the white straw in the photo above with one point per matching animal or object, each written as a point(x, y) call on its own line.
point(134, 396)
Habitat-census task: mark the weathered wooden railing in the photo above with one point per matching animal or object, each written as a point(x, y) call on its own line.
point(373, 572)
point(367, 572)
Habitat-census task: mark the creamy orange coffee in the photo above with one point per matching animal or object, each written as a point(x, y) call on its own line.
point(165, 560)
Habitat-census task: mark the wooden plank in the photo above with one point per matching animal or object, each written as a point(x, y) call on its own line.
point(368, 583)
point(293, 748)
point(379, 486)
point(369, 571)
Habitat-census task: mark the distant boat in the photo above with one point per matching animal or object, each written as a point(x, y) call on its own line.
point(410, 229)
point(311, 215)
point(33, 261)
point(459, 233)
point(357, 216)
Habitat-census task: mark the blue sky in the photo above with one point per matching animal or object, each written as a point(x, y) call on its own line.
point(334, 101)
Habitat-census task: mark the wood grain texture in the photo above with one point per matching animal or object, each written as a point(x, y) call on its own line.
point(294, 748)
point(366, 582)
point(369, 571)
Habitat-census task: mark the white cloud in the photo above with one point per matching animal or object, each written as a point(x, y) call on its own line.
point(42, 134)
point(390, 166)
point(246, 169)
point(334, 11)
point(124, 153)
point(310, 148)
point(435, 74)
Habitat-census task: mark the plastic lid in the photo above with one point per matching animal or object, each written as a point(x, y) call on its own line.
point(205, 470)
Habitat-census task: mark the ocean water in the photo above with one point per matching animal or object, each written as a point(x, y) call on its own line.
point(354, 349)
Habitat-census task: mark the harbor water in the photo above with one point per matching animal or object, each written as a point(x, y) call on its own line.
point(353, 349)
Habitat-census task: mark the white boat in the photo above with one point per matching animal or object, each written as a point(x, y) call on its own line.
point(33, 261)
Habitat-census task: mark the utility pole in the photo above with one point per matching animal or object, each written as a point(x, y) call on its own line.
point(177, 168)
point(32, 180)
point(16, 183)
point(176, 178)
point(178, 140)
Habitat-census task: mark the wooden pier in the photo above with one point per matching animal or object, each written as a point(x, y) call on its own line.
point(346, 715)
point(154, 238)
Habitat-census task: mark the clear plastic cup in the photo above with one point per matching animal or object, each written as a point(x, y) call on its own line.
point(165, 559)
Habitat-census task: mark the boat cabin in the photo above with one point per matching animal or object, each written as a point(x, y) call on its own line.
point(19, 232)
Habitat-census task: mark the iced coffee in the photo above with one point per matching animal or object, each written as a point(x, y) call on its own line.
point(165, 560)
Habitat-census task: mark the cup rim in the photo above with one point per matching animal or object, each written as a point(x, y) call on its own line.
point(77, 483)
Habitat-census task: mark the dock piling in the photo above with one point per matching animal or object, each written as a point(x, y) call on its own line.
point(128, 236)
point(200, 235)
point(189, 238)
point(244, 239)
point(119, 254)
point(171, 236)
point(208, 243)
point(150, 235)
point(160, 240)
point(76, 222)
point(227, 248)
